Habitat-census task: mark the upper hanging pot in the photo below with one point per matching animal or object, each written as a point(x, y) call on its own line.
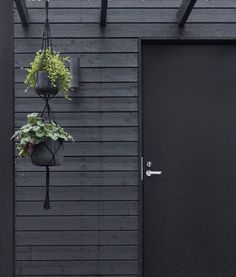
point(48, 73)
point(44, 86)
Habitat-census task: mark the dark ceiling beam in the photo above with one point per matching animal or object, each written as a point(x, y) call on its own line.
point(23, 12)
point(184, 11)
point(103, 18)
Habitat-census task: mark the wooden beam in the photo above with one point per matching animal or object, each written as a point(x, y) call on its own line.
point(23, 12)
point(103, 19)
point(7, 146)
point(184, 11)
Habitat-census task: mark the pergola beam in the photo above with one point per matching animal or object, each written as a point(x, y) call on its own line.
point(184, 11)
point(23, 12)
point(103, 18)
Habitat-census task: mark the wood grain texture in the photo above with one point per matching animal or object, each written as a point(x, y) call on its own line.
point(132, 4)
point(80, 253)
point(90, 60)
point(95, 75)
point(84, 164)
point(93, 119)
point(75, 45)
point(103, 134)
point(73, 238)
point(111, 104)
point(76, 267)
point(96, 149)
point(78, 193)
point(132, 30)
point(90, 90)
point(131, 15)
point(80, 208)
point(77, 179)
point(76, 223)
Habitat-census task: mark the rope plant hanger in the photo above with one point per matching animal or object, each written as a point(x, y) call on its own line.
point(46, 46)
point(46, 38)
point(51, 152)
point(41, 138)
point(47, 113)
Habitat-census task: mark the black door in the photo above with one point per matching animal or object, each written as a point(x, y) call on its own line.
point(189, 133)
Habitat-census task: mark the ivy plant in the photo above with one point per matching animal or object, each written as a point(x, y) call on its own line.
point(54, 64)
point(35, 131)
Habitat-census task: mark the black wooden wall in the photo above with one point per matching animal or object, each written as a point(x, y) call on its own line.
point(95, 192)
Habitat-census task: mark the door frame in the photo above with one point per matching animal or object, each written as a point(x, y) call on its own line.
point(156, 41)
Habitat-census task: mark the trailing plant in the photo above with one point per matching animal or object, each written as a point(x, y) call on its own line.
point(54, 64)
point(35, 131)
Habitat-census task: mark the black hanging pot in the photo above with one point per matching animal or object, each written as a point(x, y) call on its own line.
point(47, 153)
point(43, 85)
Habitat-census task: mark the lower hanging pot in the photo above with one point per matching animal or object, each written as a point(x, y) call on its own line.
point(47, 153)
point(44, 86)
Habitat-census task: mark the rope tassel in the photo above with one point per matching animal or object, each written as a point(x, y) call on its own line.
point(47, 199)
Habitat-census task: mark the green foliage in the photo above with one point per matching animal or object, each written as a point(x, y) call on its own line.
point(36, 131)
point(52, 62)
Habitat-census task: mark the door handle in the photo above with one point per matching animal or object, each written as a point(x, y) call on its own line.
point(149, 173)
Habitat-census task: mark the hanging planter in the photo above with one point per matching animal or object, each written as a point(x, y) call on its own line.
point(48, 73)
point(47, 153)
point(42, 141)
point(43, 84)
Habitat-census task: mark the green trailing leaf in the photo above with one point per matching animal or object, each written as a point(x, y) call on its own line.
point(54, 64)
point(35, 131)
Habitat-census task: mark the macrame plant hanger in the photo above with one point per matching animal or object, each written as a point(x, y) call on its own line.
point(47, 111)
point(46, 38)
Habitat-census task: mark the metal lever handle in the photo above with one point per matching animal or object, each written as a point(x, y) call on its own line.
point(150, 173)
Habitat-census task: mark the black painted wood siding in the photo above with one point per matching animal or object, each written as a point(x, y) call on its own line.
point(100, 172)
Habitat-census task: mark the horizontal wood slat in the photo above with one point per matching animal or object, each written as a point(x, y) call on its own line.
point(200, 30)
point(76, 194)
point(73, 238)
point(93, 119)
point(76, 253)
point(89, 60)
point(46, 268)
point(78, 105)
point(104, 134)
point(86, 149)
point(82, 179)
point(76, 223)
point(85, 164)
point(95, 75)
point(130, 15)
point(90, 90)
point(68, 208)
point(110, 275)
point(75, 45)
